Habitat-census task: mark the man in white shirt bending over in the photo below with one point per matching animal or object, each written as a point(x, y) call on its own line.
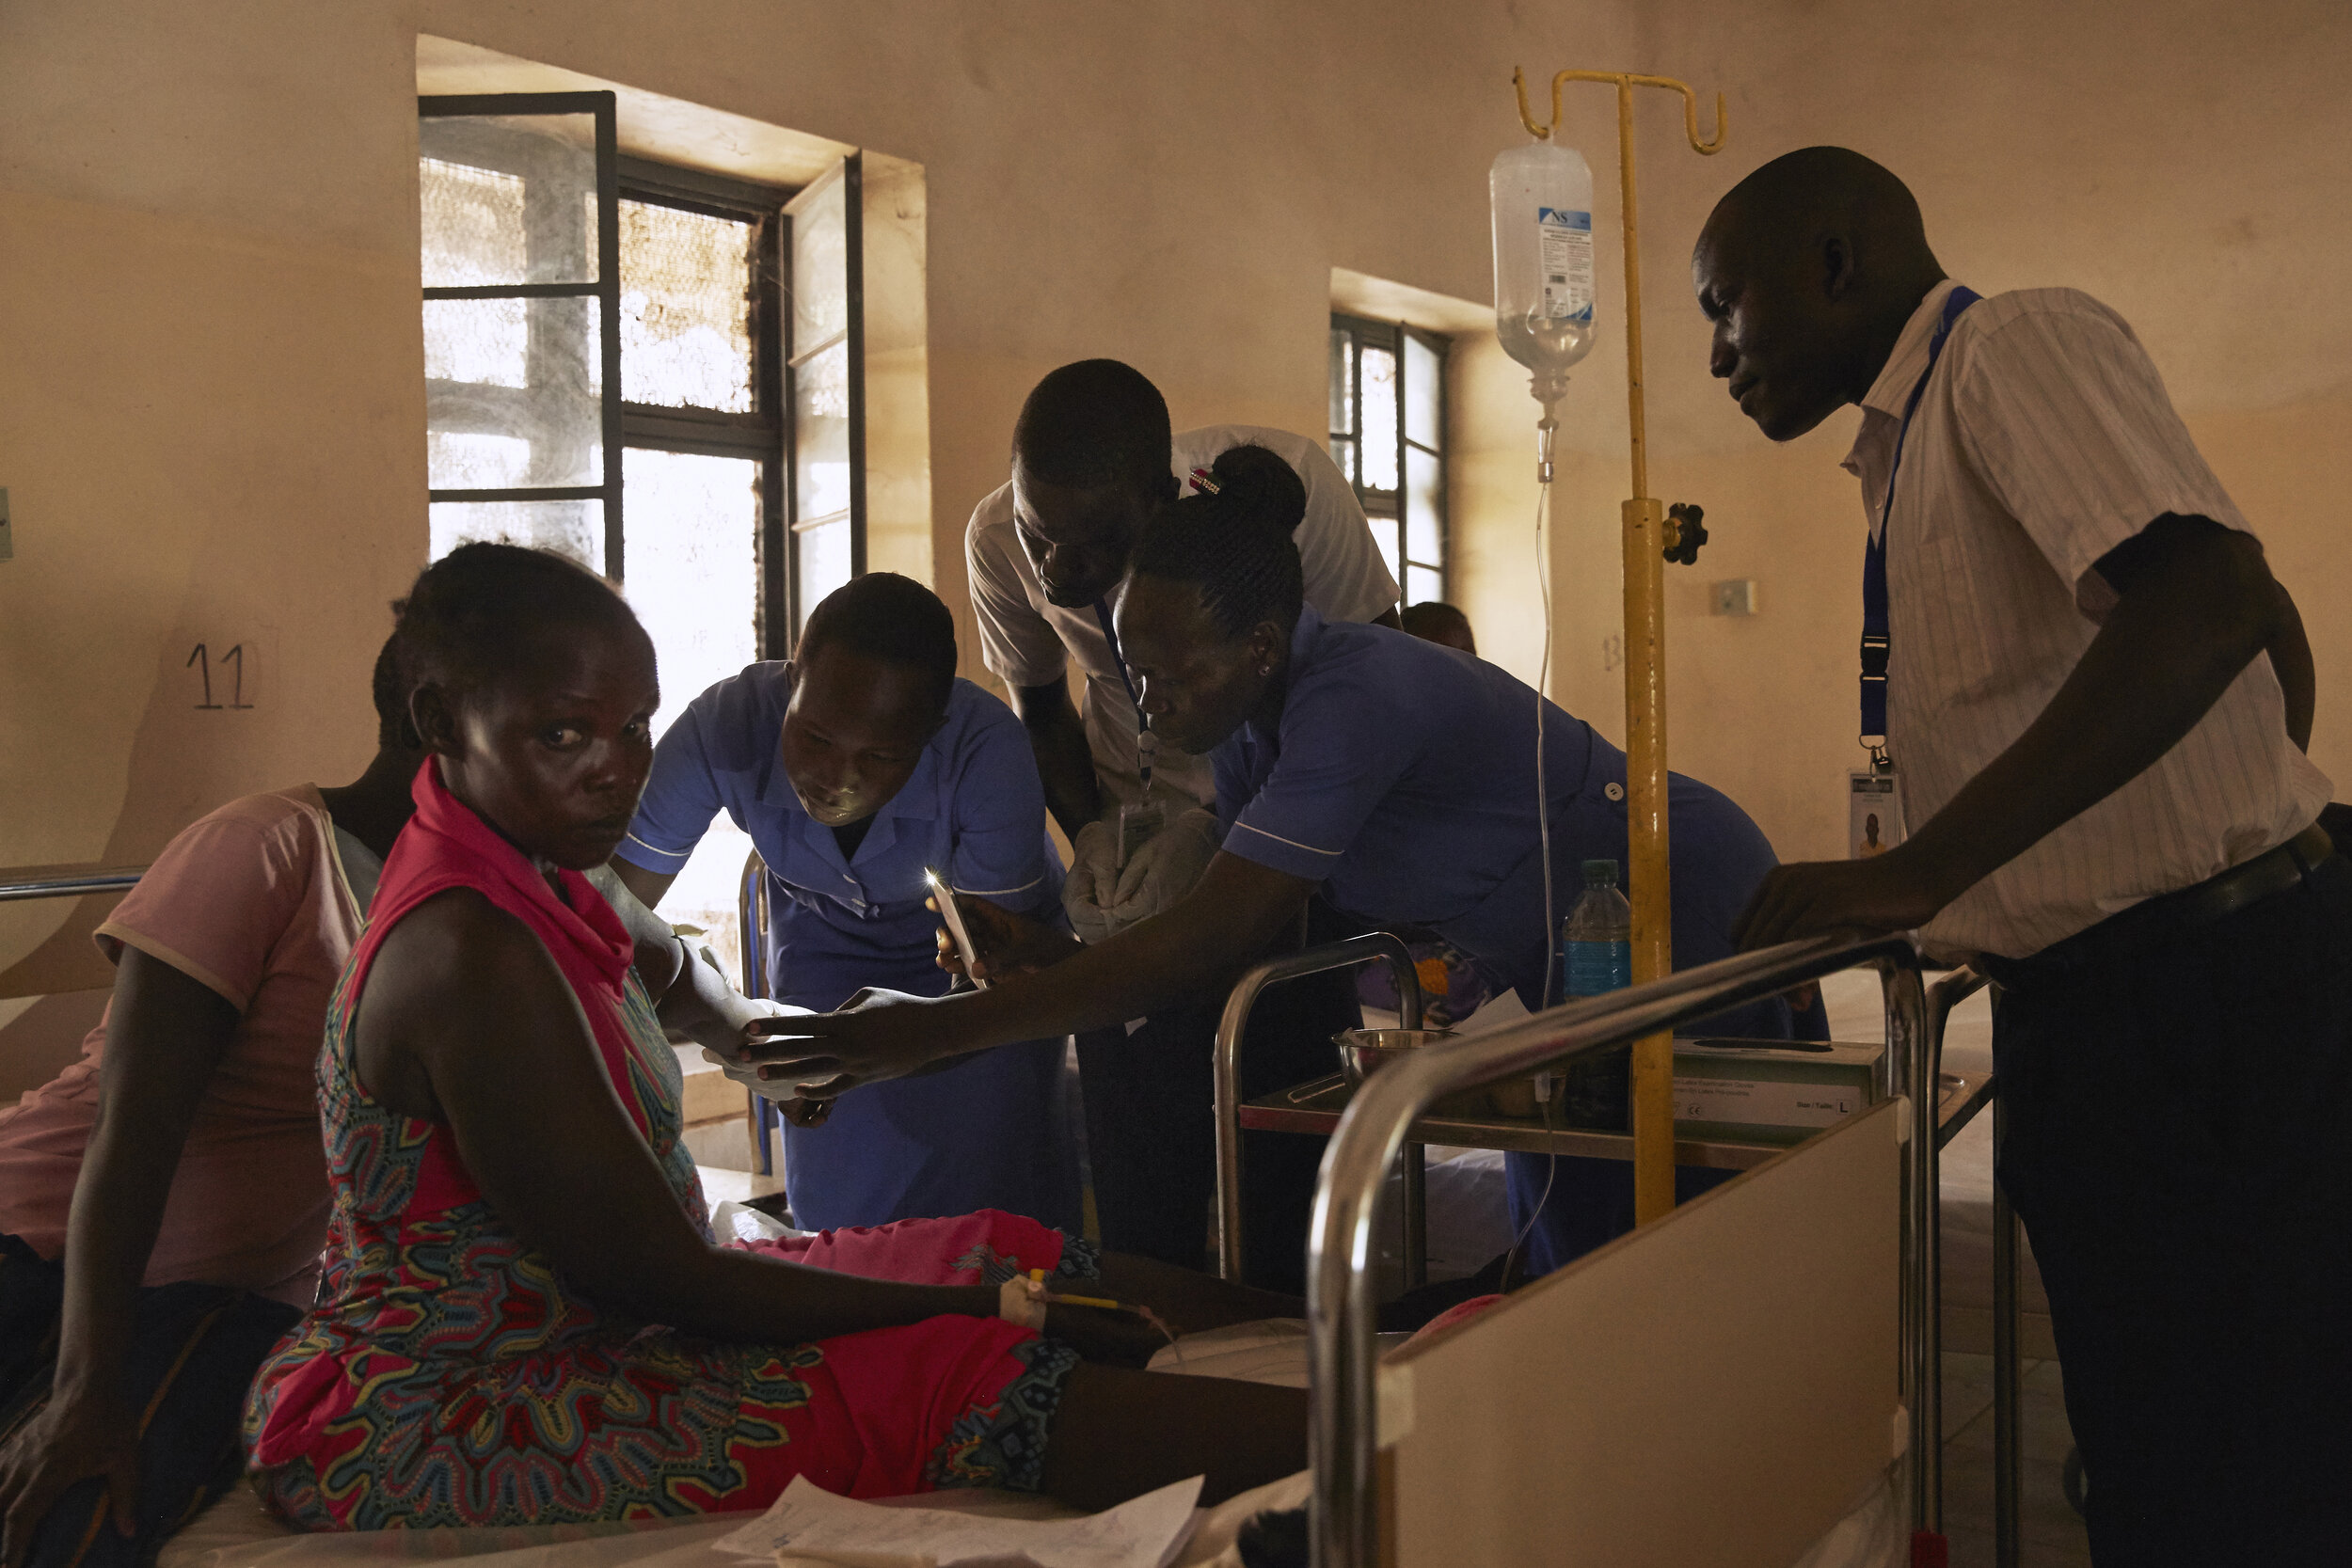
point(1093, 458)
point(2097, 697)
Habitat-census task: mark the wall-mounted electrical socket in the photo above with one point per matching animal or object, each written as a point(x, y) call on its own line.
point(1736, 597)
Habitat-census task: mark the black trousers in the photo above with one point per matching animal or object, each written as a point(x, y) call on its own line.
point(1152, 1133)
point(2179, 1145)
point(192, 1353)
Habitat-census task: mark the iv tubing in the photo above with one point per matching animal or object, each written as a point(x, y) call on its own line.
point(1546, 429)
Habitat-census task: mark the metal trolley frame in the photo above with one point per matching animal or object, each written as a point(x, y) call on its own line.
point(1385, 1121)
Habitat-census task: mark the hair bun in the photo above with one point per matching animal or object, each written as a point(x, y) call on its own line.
point(1257, 486)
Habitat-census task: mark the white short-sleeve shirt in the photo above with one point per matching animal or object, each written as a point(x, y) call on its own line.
point(2043, 440)
point(1029, 641)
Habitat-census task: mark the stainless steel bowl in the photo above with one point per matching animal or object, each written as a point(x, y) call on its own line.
point(1364, 1052)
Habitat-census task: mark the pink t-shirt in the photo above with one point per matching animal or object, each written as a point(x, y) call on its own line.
point(253, 902)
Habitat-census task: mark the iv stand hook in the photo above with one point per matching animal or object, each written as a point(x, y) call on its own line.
point(1623, 80)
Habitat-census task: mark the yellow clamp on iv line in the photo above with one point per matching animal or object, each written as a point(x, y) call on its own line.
point(1022, 1298)
point(1648, 538)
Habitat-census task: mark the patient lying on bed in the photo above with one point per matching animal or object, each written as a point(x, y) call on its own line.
point(523, 1319)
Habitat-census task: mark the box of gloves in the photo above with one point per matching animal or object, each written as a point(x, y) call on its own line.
point(1771, 1091)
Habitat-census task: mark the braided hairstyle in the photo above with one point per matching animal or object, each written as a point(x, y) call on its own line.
point(473, 613)
point(1234, 542)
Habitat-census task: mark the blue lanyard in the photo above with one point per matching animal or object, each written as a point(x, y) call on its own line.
point(1147, 745)
point(1874, 625)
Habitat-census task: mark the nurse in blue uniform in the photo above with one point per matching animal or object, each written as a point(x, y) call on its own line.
point(854, 766)
point(1395, 776)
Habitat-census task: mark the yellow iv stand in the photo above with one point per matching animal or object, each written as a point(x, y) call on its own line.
point(1647, 536)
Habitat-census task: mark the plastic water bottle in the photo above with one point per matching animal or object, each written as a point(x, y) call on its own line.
point(1596, 955)
point(1597, 938)
point(1541, 195)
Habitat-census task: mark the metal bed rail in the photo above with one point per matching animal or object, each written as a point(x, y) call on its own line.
point(65, 881)
point(1374, 948)
point(1342, 1422)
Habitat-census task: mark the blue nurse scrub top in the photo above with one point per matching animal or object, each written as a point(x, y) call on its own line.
point(1402, 778)
point(987, 1132)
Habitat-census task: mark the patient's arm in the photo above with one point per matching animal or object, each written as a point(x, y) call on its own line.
point(689, 996)
point(466, 1020)
point(165, 1035)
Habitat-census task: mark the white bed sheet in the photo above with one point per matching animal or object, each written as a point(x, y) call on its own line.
point(238, 1533)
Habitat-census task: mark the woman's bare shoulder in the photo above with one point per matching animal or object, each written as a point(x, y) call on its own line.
point(459, 934)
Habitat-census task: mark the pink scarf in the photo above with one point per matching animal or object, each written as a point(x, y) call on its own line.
point(445, 845)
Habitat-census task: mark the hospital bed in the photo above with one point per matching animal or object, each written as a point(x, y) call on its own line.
point(1748, 1382)
point(1753, 1379)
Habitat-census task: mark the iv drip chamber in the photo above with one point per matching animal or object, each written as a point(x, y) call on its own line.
point(1542, 196)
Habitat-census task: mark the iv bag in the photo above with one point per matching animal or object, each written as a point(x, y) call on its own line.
point(1542, 196)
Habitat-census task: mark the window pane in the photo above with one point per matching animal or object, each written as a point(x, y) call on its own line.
point(690, 574)
point(455, 461)
point(1378, 414)
point(569, 528)
point(1342, 382)
point(1343, 453)
point(689, 569)
point(473, 225)
point(1424, 507)
point(502, 200)
point(1384, 532)
point(820, 263)
point(484, 341)
point(509, 397)
point(1423, 585)
point(706, 891)
point(686, 308)
point(1425, 388)
point(821, 436)
point(824, 563)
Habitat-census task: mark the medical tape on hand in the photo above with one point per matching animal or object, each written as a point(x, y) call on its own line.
point(1022, 1299)
point(1021, 1302)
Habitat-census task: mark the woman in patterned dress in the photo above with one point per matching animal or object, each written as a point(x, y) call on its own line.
point(523, 1319)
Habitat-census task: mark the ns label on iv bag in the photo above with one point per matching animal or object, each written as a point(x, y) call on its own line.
point(1568, 263)
point(1541, 198)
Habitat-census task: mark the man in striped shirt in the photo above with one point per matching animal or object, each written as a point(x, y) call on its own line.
point(2098, 698)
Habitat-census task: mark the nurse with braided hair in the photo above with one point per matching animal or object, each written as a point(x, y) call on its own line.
point(1395, 777)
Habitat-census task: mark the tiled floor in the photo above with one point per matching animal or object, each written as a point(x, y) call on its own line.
point(2053, 1537)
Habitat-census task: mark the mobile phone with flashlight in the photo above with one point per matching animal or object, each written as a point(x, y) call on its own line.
point(952, 916)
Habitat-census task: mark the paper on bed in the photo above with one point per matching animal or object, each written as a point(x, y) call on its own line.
point(808, 1521)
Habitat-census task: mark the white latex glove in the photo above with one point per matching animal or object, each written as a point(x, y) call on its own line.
point(1165, 867)
point(1093, 885)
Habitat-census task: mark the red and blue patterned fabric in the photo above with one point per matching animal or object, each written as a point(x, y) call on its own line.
point(450, 1375)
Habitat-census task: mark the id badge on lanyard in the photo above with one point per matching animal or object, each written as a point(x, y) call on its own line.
point(1874, 796)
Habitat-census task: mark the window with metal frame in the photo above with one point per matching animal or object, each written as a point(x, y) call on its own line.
point(609, 338)
point(1388, 437)
point(579, 302)
point(825, 355)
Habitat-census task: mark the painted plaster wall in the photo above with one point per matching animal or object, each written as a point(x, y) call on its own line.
point(2173, 159)
point(211, 427)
